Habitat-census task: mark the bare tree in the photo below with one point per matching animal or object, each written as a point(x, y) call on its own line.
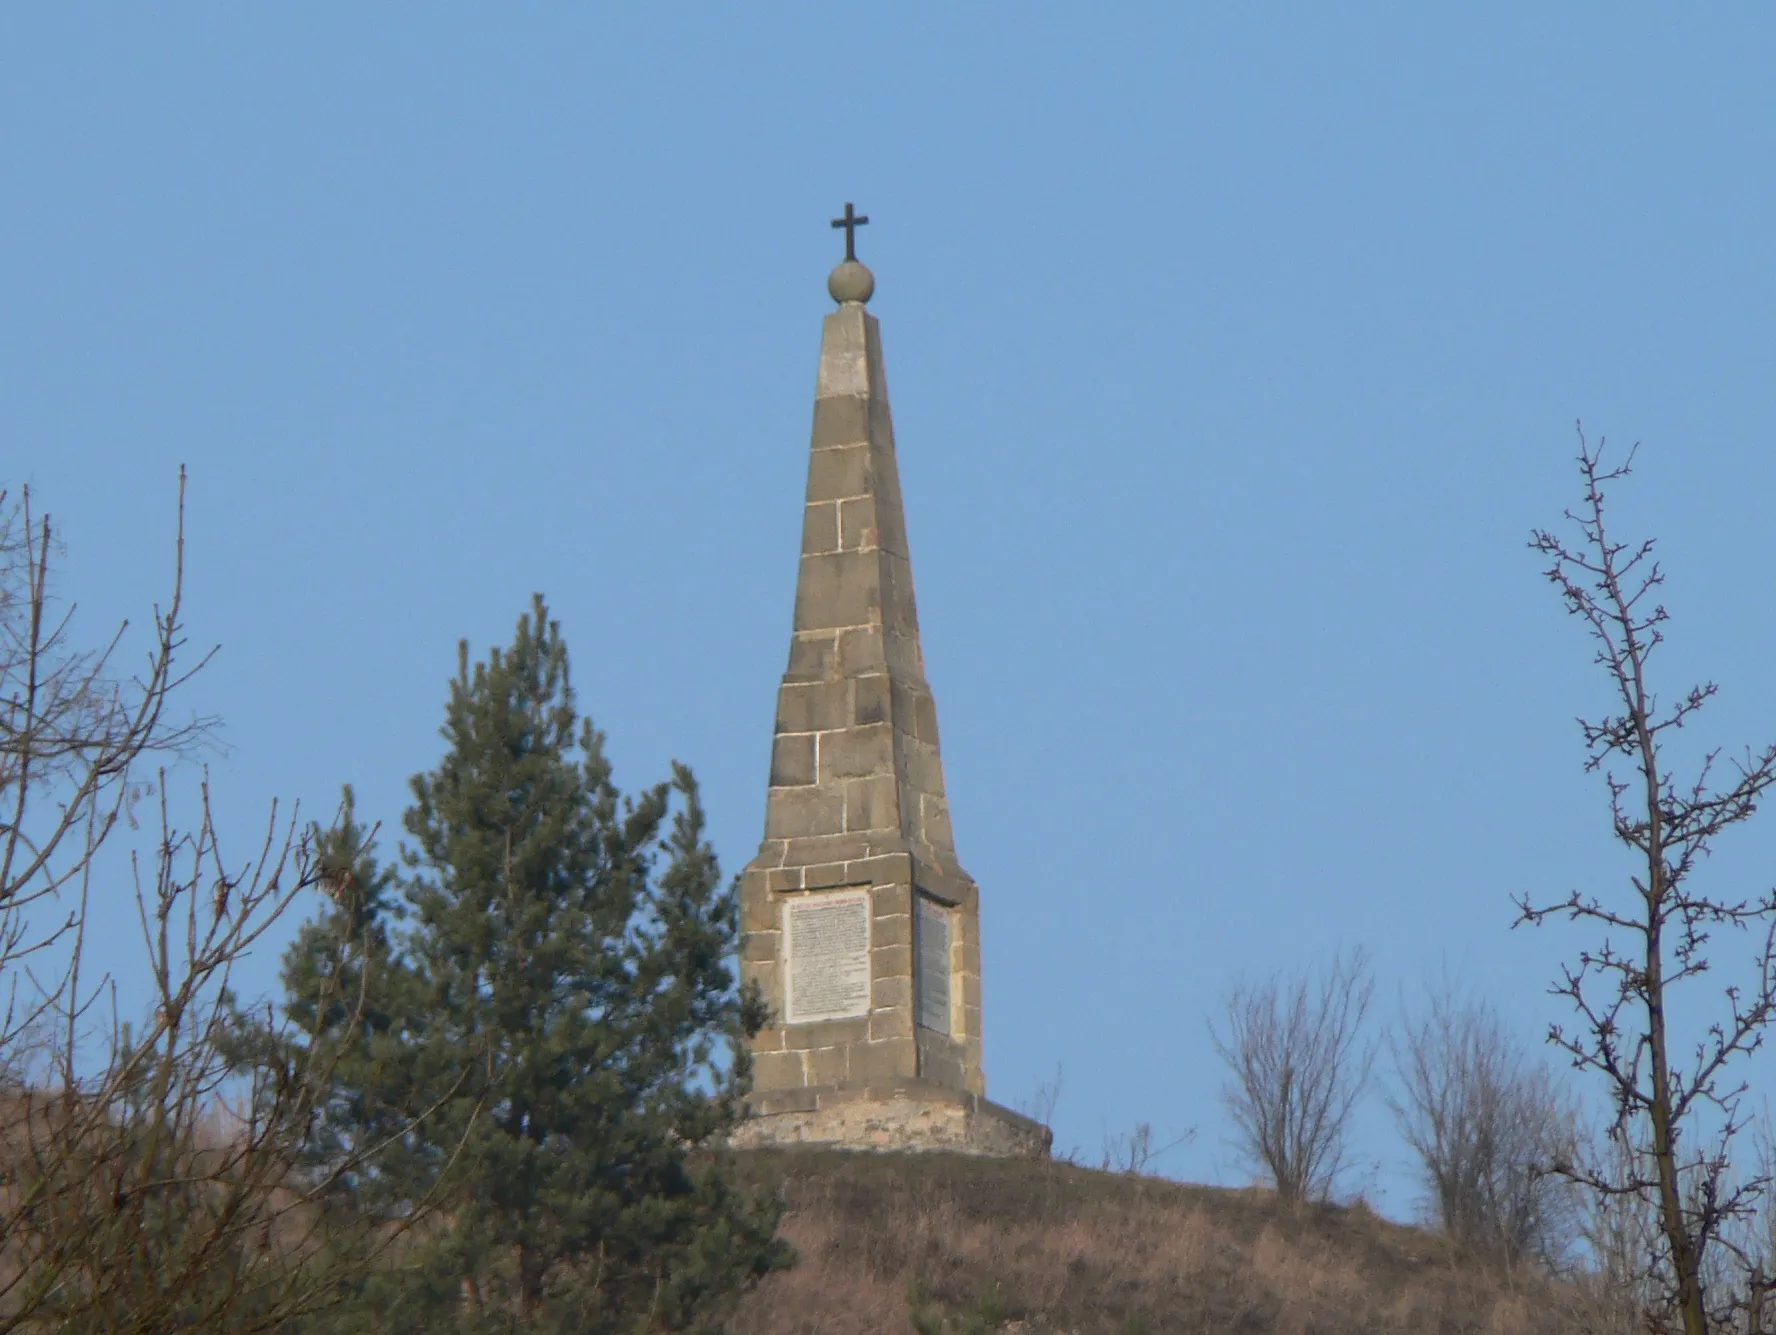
point(1486, 1124)
point(145, 1183)
point(1630, 1262)
point(1298, 1061)
point(1677, 1102)
point(1621, 1234)
point(1044, 1099)
point(1740, 1271)
point(74, 733)
point(148, 1181)
point(1135, 1152)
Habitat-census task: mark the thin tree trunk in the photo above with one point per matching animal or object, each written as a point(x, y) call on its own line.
point(1685, 1261)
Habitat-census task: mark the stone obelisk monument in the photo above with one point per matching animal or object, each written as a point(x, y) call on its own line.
point(857, 920)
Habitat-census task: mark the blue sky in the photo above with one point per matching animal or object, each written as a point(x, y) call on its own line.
point(1234, 352)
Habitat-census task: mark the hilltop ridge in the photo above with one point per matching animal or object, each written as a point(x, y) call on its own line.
point(1045, 1247)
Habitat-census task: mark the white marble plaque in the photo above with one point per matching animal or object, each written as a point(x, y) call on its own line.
point(933, 931)
point(827, 957)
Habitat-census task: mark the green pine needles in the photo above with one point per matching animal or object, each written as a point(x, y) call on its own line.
point(535, 1033)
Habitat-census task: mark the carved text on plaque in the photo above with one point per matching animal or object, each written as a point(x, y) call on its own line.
point(933, 931)
point(826, 957)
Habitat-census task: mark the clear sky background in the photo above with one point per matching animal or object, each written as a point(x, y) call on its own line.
point(1234, 352)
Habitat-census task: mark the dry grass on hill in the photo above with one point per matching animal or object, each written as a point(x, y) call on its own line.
point(1040, 1247)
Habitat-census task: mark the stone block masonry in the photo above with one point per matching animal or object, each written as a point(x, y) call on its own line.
point(857, 920)
point(914, 1116)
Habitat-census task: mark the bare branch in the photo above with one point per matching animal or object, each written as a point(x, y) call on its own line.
point(1674, 1120)
point(1298, 1061)
point(150, 1179)
point(1488, 1127)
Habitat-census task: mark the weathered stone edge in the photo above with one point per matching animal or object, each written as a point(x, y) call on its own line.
point(795, 1117)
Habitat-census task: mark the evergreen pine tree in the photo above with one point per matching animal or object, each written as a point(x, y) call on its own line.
point(550, 1045)
point(345, 988)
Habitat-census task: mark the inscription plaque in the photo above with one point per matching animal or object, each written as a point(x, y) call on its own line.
point(934, 965)
point(827, 950)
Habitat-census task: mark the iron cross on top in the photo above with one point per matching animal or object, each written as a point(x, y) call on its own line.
point(850, 222)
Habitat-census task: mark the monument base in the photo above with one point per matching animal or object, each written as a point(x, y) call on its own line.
point(912, 1115)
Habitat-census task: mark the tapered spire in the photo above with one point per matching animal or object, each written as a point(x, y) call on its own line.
point(857, 923)
point(857, 741)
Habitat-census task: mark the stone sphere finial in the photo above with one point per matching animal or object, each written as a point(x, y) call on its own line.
point(851, 281)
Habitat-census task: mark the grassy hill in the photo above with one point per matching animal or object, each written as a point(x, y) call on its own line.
point(1035, 1247)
